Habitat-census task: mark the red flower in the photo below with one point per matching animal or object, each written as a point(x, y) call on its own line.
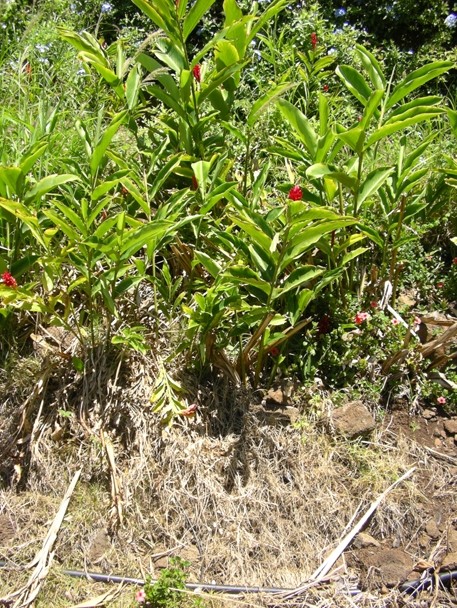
point(295, 193)
point(360, 317)
point(441, 400)
point(374, 304)
point(314, 40)
point(196, 71)
point(124, 191)
point(274, 351)
point(395, 321)
point(325, 88)
point(440, 285)
point(9, 280)
point(454, 261)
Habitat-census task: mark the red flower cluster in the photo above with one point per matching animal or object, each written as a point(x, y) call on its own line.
point(360, 317)
point(314, 40)
point(9, 280)
point(196, 71)
point(295, 193)
point(325, 88)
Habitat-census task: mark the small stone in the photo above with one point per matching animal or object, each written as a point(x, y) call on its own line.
point(450, 426)
point(352, 420)
point(363, 540)
point(428, 414)
point(432, 529)
point(439, 433)
point(424, 541)
point(437, 443)
point(452, 540)
point(449, 562)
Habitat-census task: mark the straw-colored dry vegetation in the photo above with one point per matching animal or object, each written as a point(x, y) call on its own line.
point(245, 498)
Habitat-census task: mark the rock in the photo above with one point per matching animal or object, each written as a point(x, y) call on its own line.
point(428, 414)
point(99, 546)
point(437, 443)
point(450, 562)
point(352, 420)
point(432, 529)
point(452, 540)
point(394, 566)
point(450, 426)
point(363, 540)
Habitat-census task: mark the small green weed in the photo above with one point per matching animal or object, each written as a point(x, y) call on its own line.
point(167, 591)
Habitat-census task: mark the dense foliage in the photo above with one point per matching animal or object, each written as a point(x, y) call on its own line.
point(259, 176)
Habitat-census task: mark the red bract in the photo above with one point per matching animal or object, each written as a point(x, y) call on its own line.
point(196, 71)
point(9, 280)
point(314, 40)
point(360, 317)
point(295, 193)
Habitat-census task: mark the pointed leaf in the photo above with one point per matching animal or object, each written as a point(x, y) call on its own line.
point(416, 79)
point(263, 102)
point(47, 184)
point(354, 82)
point(373, 182)
point(199, 8)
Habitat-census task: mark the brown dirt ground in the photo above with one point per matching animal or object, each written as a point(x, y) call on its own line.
point(244, 494)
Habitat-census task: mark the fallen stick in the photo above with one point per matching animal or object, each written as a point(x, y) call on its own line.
point(326, 566)
point(42, 561)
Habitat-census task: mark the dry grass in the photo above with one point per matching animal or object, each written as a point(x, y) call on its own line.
point(245, 499)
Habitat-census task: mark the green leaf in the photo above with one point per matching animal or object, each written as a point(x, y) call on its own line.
point(263, 102)
point(350, 255)
point(23, 214)
point(160, 15)
point(355, 83)
point(309, 236)
point(110, 132)
point(397, 126)
point(373, 182)
point(209, 263)
point(136, 239)
point(354, 138)
point(31, 156)
point(199, 8)
point(274, 9)
point(372, 66)
point(245, 276)
point(372, 234)
point(218, 79)
point(9, 179)
point(47, 184)
point(132, 86)
point(298, 278)
point(416, 79)
point(301, 125)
